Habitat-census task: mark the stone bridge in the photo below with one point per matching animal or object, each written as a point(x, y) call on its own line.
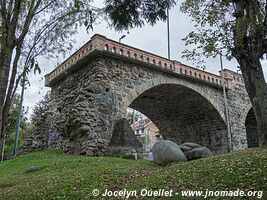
point(95, 86)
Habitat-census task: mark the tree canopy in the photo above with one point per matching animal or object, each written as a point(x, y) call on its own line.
point(221, 26)
point(236, 29)
point(127, 14)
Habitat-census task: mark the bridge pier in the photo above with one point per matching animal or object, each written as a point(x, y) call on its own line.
point(86, 108)
point(238, 104)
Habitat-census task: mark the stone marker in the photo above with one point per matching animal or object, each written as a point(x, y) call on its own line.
point(123, 141)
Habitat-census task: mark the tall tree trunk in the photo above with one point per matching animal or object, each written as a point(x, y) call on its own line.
point(2, 145)
point(12, 80)
point(257, 90)
point(5, 61)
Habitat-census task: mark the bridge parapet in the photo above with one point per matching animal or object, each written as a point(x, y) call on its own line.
point(102, 43)
point(232, 78)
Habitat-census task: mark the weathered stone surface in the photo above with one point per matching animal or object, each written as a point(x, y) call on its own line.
point(93, 88)
point(165, 152)
point(123, 140)
point(34, 168)
point(195, 151)
point(123, 135)
point(239, 106)
point(84, 129)
point(39, 138)
point(189, 146)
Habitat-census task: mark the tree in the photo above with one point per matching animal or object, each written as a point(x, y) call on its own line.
point(232, 28)
point(32, 28)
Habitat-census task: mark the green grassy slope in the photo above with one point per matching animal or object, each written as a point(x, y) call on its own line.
point(60, 176)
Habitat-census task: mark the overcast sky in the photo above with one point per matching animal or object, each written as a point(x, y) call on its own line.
point(152, 39)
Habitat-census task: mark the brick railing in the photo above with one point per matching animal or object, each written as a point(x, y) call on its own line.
point(99, 42)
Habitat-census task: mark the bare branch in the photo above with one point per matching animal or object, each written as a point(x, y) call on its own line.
point(15, 17)
point(28, 20)
point(3, 11)
point(42, 9)
point(9, 11)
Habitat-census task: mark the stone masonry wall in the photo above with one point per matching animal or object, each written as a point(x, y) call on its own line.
point(85, 110)
point(239, 105)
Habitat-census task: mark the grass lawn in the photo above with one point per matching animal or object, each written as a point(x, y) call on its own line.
point(54, 175)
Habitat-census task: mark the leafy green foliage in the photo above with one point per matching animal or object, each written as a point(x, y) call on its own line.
point(127, 14)
point(12, 125)
point(61, 176)
point(225, 27)
point(53, 26)
point(213, 35)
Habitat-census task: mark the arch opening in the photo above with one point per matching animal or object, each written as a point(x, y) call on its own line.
point(183, 115)
point(144, 129)
point(251, 130)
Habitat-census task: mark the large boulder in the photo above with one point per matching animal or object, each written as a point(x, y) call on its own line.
point(195, 151)
point(189, 146)
point(123, 141)
point(166, 151)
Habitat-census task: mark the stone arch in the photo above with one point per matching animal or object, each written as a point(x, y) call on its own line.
point(185, 115)
point(136, 91)
point(251, 129)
